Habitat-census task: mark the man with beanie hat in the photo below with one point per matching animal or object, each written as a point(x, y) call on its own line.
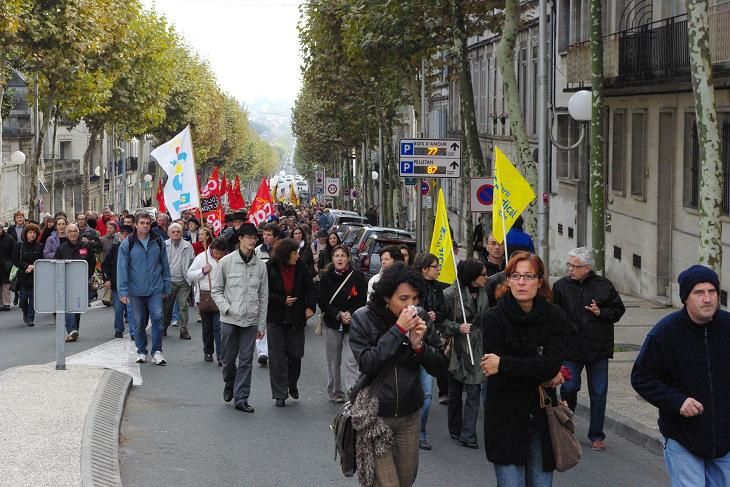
point(241, 292)
point(684, 370)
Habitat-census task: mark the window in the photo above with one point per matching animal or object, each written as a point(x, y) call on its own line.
point(691, 183)
point(535, 88)
point(638, 154)
point(618, 154)
point(569, 160)
point(65, 149)
point(522, 82)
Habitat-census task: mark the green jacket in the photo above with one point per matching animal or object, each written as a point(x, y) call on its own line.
point(460, 363)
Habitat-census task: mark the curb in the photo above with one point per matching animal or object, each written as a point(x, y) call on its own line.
point(627, 428)
point(100, 440)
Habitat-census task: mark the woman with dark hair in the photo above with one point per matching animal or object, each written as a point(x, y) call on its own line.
point(304, 250)
point(28, 250)
point(523, 349)
point(465, 375)
point(325, 257)
point(7, 246)
point(342, 291)
point(200, 274)
point(407, 253)
point(389, 334)
point(432, 300)
point(49, 225)
point(56, 238)
point(292, 302)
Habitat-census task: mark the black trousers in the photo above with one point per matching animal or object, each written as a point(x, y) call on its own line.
point(286, 349)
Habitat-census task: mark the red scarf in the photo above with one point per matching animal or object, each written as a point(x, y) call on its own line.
point(287, 277)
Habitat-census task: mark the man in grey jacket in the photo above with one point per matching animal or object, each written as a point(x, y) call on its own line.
point(241, 292)
point(180, 255)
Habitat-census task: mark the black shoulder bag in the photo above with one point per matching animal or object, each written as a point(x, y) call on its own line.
point(342, 422)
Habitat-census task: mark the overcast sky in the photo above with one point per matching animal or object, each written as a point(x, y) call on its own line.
point(251, 45)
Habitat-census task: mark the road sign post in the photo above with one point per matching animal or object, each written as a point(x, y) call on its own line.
point(60, 286)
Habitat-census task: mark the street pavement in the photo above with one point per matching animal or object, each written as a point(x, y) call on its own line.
point(177, 430)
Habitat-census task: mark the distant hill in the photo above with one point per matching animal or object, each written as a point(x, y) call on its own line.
point(271, 119)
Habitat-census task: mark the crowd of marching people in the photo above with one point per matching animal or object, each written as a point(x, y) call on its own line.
point(499, 338)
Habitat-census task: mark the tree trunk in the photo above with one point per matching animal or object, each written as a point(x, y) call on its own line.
point(95, 132)
point(37, 160)
point(506, 63)
point(52, 206)
point(598, 200)
point(710, 197)
point(474, 163)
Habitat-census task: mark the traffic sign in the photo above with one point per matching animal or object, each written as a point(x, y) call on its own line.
point(433, 158)
point(410, 181)
point(481, 194)
point(332, 187)
point(319, 181)
point(425, 188)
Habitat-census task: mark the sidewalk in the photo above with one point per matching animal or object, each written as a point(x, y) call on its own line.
point(627, 414)
point(60, 427)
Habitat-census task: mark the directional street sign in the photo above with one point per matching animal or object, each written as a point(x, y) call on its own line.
point(425, 188)
point(432, 158)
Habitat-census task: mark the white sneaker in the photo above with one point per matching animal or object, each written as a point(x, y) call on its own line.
point(141, 358)
point(158, 358)
point(174, 323)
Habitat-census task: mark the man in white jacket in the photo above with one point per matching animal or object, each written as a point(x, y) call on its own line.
point(241, 292)
point(180, 255)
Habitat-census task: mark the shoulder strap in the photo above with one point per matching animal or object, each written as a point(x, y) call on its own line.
point(341, 286)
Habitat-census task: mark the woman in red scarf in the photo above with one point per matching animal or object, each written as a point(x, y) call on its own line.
point(292, 301)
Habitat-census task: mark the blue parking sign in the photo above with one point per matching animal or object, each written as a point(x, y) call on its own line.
point(406, 148)
point(406, 167)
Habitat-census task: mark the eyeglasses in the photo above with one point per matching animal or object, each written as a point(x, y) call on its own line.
point(527, 276)
point(435, 266)
point(483, 274)
point(573, 266)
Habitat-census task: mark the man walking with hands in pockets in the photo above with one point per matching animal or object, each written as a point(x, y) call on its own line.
point(241, 292)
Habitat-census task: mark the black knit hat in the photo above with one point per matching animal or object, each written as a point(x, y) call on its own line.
point(696, 274)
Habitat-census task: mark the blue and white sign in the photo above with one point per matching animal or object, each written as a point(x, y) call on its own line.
point(430, 158)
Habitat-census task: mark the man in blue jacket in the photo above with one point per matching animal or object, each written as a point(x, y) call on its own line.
point(143, 278)
point(684, 370)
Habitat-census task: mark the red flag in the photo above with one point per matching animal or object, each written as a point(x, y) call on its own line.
point(211, 204)
point(160, 197)
point(224, 186)
point(212, 188)
point(235, 199)
point(262, 207)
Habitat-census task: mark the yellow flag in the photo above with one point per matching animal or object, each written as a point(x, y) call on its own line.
point(512, 194)
point(293, 195)
point(273, 192)
point(441, 244)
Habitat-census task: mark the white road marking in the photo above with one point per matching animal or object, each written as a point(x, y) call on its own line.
point(119, 354)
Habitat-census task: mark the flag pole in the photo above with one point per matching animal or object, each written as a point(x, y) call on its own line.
point(463, 311)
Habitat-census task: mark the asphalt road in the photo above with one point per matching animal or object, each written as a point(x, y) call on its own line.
point(177, 430)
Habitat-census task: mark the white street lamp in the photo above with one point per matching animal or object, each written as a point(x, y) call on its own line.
point(147, 178)
point(375, 175)
point(17, 158)
point(580, 109)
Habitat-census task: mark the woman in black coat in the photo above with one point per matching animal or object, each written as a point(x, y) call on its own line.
point(304, 249)
point(389, 337)
point(291, 303)
point(523, 344)
point(347, 290)
point(28, 250)
point(325, 255)
point(7, 245)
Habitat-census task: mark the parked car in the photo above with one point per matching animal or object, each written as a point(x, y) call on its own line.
point(369, 259)
point(345, 216)
point(151, 210)
point(363, 234)
point(349, 228)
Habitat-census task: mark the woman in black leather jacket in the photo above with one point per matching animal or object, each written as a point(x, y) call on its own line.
point(388, 333)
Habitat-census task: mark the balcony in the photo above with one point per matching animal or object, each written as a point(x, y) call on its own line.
point(67, 170)
point(650, 54)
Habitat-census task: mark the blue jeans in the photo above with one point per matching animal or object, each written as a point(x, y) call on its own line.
point(597, 373)
point(688, 470)
point(25, 301)
point(119, 315)
point(72, 322)
point(427, 386)
point(531, 474)
point(142, 307)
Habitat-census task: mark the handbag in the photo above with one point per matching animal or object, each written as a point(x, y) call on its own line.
point(319, 327)
point(341, 426)
point(206, 304)
point(567, 451)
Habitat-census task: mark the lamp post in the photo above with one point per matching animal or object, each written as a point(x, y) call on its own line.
point(379, 199)
point(147, 186)
point(17, 159)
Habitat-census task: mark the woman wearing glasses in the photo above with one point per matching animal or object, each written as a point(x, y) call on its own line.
point(523, 346)
point(432, 301)
point(465, 375)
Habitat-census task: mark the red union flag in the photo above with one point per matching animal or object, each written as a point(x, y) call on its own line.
point(235, 198)
point(210, 203)
point(262, 206)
